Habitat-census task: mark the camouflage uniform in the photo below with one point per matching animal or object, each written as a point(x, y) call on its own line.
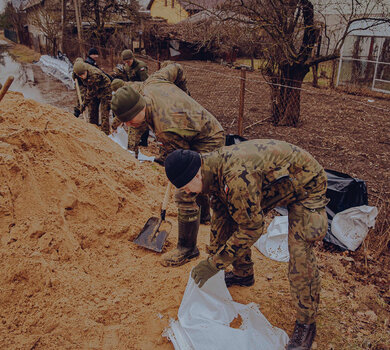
point(245, 182)
point(138, 71)
point(178, 121)
point(135, 134)
point(98, 91)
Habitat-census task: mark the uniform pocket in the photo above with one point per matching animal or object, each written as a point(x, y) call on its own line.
point(315, 222)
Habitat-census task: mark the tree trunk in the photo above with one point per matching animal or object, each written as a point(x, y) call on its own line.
point(286, 95)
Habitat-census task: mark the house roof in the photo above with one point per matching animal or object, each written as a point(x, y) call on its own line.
point(26, 4)
point(194, 4)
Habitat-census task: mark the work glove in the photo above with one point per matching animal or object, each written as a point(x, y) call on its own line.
point(203, 271)
point(76, 112)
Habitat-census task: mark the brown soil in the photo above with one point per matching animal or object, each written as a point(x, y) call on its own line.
point(72, 201)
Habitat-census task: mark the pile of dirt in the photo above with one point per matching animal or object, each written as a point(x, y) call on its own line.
point(72, 201)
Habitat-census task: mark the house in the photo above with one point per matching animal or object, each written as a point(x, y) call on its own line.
point(174, 11)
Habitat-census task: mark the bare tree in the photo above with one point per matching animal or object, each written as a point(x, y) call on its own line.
point(290, 31)
point(99, 13)
point(48, 20)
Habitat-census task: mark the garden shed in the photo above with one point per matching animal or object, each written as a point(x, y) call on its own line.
point(365, 56)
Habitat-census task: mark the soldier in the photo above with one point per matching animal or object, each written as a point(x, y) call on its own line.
point(93, 55)
point(132, 69)
point(178, 121)
point(136, 136)
point(98, 92)
point(246, 181)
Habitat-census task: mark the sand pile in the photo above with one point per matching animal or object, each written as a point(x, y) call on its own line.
point(71, 201)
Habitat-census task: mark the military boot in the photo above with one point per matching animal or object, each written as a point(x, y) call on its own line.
point(203, 202)
point(232, 279)
point(186, 249)
point(302, 337)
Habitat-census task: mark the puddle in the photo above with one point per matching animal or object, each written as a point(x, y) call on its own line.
point(23, 76)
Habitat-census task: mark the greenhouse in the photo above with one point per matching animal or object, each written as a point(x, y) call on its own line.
point(365, 56)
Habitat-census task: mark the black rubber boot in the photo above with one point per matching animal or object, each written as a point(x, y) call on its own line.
point(186, 249)
point(302, 337)
point(203, 202)
point(231, 279)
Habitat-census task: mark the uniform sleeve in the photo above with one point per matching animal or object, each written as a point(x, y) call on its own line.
point(135, 135)
point(118, 73)
point(115, 123)
point(244, 194)
point(173, 139)
point(142, 73)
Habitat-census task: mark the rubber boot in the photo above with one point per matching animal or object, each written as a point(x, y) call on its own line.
point(231, 279)
point(302, 337)
point(186, 249)
point(203, 202)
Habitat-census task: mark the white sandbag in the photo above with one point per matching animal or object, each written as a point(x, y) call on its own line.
point(206, 313)
point(120, 136)
point(274, 244)
point(351, 226)
point(60, 69)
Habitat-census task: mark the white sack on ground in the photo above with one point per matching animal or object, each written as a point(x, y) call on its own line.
point(57, 68)
point(120, 136)
point(274, 244)
point(206, 313)
point(351, 226)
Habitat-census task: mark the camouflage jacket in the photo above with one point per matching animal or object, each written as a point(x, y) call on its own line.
point(138, 71)
point(177, 120)
point(97, 85)
point(253, 177)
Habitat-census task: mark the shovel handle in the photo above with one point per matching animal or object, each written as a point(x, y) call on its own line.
point(6, 86)
point(165, 201)
point(79, 97)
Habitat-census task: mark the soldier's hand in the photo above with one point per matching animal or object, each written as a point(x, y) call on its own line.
point(203, 271)
point(82, 108)
point(76, 112)
point(159, 161)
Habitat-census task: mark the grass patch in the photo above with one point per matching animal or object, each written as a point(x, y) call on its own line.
point(20, 52)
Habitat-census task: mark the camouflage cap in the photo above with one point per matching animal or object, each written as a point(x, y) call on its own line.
point(126, 103)
point(79, 67)
point(127, 55)
point(181, 166)
point(116, 84)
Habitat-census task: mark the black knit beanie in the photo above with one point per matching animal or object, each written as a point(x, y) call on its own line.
point(181, 166)
point(93, 51)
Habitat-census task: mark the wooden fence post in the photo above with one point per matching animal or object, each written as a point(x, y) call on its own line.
point(242, 99)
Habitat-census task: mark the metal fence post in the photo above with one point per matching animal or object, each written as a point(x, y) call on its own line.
point(242, 99)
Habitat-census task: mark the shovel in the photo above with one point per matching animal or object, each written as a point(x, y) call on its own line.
point(150, 236)
point(6, 86)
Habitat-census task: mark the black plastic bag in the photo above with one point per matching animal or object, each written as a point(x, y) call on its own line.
point(344, 192)
point(232, 139)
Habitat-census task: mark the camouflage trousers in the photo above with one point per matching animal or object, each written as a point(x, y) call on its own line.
point(307, 223)
point(105, 105)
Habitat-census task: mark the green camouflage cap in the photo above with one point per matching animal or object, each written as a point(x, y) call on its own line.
point(79, 67)
point(127, 55)
point(126, 103)
point(116, 84)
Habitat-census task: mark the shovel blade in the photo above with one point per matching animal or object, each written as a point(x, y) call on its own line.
point(150, 237)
